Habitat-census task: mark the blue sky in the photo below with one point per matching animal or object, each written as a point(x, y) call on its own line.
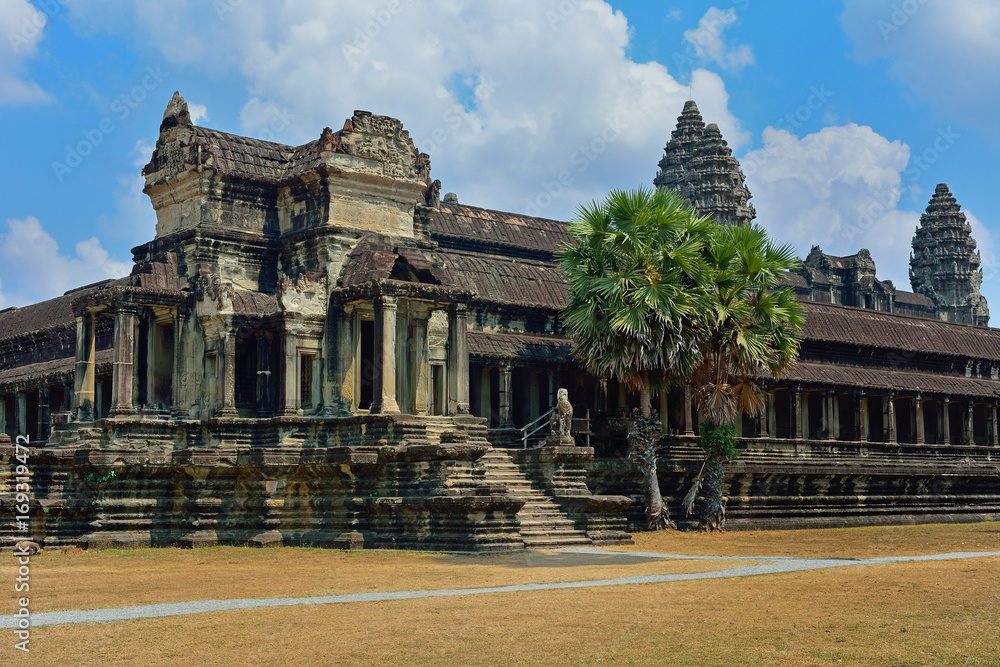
point(844, 113)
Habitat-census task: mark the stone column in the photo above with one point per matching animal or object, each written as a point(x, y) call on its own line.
point(918, 408)
point(123, 372)
point(22, 413)
point(177, 373)
point(602, 395)
point(831, 422)
point(664, 410)
point(946, 421)
point(421, 376)
point(3, 414)
point(993, 425)
point(226, 361)
point(772, 416)
point(863, 417)
point(344, 378)
point(969, 432)
point(797, 415)
point(458, 359)
point(688, 416)
point(890, 408)
point(83, 394)
point(384, 401)
point(506, 396)
point(290, 374)
point(43, 413)
point(263, 388)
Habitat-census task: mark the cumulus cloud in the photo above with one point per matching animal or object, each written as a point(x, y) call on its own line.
point(710, 44)
point(22, 26)
point(838, 188)
point(942, 49)
point(523, 105)
point(33, 268)
point(199, 112)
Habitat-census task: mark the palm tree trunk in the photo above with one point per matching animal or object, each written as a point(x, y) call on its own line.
point(657, 515)
point(645, 402)
point(713, 510)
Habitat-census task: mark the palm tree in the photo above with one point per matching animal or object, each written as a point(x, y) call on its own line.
point(631, 276)
point(751, 331)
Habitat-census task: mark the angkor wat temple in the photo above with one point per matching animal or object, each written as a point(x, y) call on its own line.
point(317, 349)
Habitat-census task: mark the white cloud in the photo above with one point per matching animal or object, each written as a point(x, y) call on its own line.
point(133, 220)
point(33, 269)
point(709, 40)
point(199, 112)
point(945, 50)
point(505, 97)
point(838, 188)
point(22, 27)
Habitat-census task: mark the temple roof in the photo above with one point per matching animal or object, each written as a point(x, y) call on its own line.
point(470, 227)
point(43, 315)
point(889, 379)
point(500, 347)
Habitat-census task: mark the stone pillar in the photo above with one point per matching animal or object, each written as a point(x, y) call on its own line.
point(946, 421)
point(43, 413)
point(3, 414)
point(993, 425)
point(226, 361)
point(458, 360)
point(421, 375)
point(486, 396)
point(918, 408)
point(863, 417)
point(177, 373)
point(969, 432)
point(21, 400)
point(263, 388)
point(552, 387)
point(664, 410)
point(290, 374)
point(344, 378)
point(688, 416)
point(385, 357)
point(506, 396)
point(772, 416)
point(123, 372)
point(602, 395)
point(83, 394)
point(831, 419)
point(890, 408)
point(797, 414)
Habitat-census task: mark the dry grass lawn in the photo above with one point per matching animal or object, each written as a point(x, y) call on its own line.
point(927, 613)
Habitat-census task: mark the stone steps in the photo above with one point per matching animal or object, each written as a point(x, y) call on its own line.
point(543, 524)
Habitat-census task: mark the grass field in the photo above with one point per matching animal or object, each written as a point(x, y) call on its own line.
point(927, 613)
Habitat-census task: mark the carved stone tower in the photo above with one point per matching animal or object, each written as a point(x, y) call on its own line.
point(698, 164)
point(944, 264)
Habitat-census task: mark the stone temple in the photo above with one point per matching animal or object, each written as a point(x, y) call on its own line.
point(316, 348)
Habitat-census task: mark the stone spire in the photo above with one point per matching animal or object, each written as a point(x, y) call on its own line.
point(679, 151)
point(944, 264)
point(176, 114)
point(720, 189)
point(698, 164)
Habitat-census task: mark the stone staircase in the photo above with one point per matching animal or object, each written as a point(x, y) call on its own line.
point(543, 524)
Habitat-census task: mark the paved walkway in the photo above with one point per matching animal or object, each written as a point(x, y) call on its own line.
point(762, 565)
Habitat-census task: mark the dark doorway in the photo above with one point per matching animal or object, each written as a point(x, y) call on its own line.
point(367, 376)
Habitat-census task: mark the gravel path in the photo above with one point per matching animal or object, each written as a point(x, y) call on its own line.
point(764, 565)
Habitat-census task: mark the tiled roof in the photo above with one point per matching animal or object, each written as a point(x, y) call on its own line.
point(913, 298)
point(499, 347)
point(234, 155)
point(506, 279)
point(375, 257)
point(872, 328)
point(40, 315)
point(887, 379)
point(458, 224)
point(51, 369)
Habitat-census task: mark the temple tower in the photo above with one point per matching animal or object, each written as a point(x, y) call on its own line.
point(944, 264)
point(698, 164)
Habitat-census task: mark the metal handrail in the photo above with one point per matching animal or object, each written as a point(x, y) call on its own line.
point(524, 430)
